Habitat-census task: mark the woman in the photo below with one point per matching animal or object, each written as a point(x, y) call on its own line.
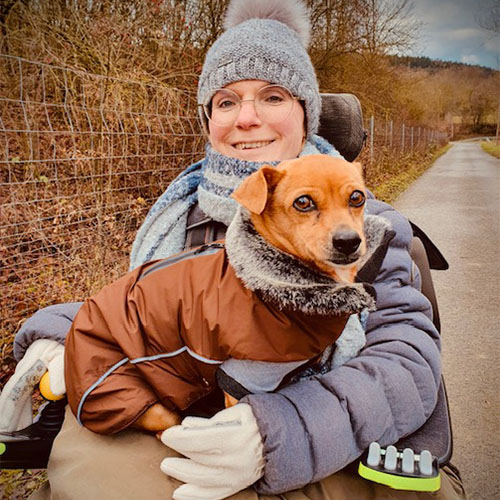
point(311, 430)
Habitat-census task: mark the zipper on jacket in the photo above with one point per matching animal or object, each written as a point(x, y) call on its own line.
point(204, 249)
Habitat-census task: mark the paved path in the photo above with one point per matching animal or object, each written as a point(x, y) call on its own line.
point(457, 202)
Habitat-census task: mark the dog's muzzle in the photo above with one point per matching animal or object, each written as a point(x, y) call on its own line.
point(345, 247)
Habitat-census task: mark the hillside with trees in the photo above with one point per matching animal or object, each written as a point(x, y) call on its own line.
point(462, 98)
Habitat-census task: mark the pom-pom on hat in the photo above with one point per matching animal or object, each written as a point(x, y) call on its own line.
point(264, 40)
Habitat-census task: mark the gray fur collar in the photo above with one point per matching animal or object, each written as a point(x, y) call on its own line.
point(287, 282)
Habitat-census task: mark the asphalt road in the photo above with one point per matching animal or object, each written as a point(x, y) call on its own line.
point(457, 203)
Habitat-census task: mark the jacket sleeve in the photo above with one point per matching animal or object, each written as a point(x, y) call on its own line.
point(105, 390)
point(51, 323)
point(316, 427)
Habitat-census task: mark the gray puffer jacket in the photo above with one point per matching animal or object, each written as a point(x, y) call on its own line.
point(315, 427)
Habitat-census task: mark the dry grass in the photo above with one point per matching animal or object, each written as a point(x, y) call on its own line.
point(399, 174)
point(20, 484)
point(491, 147)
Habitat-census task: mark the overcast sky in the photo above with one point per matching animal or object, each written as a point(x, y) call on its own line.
point(452, 33)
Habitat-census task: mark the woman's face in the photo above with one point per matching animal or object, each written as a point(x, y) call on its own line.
point(253, 139)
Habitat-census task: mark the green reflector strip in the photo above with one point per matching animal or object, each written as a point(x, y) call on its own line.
point(400, 482)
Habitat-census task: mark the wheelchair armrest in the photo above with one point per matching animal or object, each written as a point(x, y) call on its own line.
point(436, 434)
point(435, 258)
point(418, 253)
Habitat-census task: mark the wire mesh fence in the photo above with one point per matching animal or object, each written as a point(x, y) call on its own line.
point(399, 137)
point(395, 151)
point(82, 158)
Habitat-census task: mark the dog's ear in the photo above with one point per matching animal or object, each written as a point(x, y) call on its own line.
point(253, 192)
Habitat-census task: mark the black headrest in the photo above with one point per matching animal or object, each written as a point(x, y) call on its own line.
point(341, 123)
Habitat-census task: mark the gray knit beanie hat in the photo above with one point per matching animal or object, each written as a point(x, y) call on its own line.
point(264, 40)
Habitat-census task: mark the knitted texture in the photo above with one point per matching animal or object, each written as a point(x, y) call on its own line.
point(221, 176)
point(209, 182)
point(262, 49)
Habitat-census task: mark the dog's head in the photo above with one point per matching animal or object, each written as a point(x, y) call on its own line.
point(312, 208)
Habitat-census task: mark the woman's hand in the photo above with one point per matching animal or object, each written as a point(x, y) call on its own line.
point(224, 454)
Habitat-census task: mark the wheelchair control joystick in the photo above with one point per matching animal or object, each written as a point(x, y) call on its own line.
point(29, 448)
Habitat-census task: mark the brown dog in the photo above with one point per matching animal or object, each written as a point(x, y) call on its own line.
point(311, 208)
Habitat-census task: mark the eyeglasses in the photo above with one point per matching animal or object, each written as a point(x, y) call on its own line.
point(273, 104)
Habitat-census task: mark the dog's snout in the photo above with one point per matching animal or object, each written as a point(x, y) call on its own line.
point(346, 242)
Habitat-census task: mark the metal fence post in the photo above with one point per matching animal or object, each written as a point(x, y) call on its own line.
point(372, 132)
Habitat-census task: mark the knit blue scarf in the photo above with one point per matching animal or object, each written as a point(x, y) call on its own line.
point(209, 182)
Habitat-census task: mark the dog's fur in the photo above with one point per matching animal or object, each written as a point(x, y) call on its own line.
point(270, 193)
point(312, 236)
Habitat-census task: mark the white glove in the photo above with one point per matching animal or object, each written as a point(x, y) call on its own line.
point(15, 399)
point(225, 454)
point(56, 374)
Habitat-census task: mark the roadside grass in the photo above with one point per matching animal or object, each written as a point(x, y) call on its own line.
point(395, 176)
point(491, 147)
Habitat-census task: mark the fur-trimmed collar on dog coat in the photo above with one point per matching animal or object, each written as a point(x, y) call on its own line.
point(287, 282)
point(159, 333)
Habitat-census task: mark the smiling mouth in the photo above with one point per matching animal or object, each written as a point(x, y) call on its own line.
point(251, 145)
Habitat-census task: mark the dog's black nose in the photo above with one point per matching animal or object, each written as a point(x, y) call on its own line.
point(346, 242)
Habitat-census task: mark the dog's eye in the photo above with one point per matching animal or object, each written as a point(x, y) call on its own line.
point(357, 199)
point(304, 204)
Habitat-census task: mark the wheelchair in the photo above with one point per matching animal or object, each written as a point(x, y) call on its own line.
point(341, 123)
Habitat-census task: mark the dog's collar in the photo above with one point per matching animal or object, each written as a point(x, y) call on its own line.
point(290, 284)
